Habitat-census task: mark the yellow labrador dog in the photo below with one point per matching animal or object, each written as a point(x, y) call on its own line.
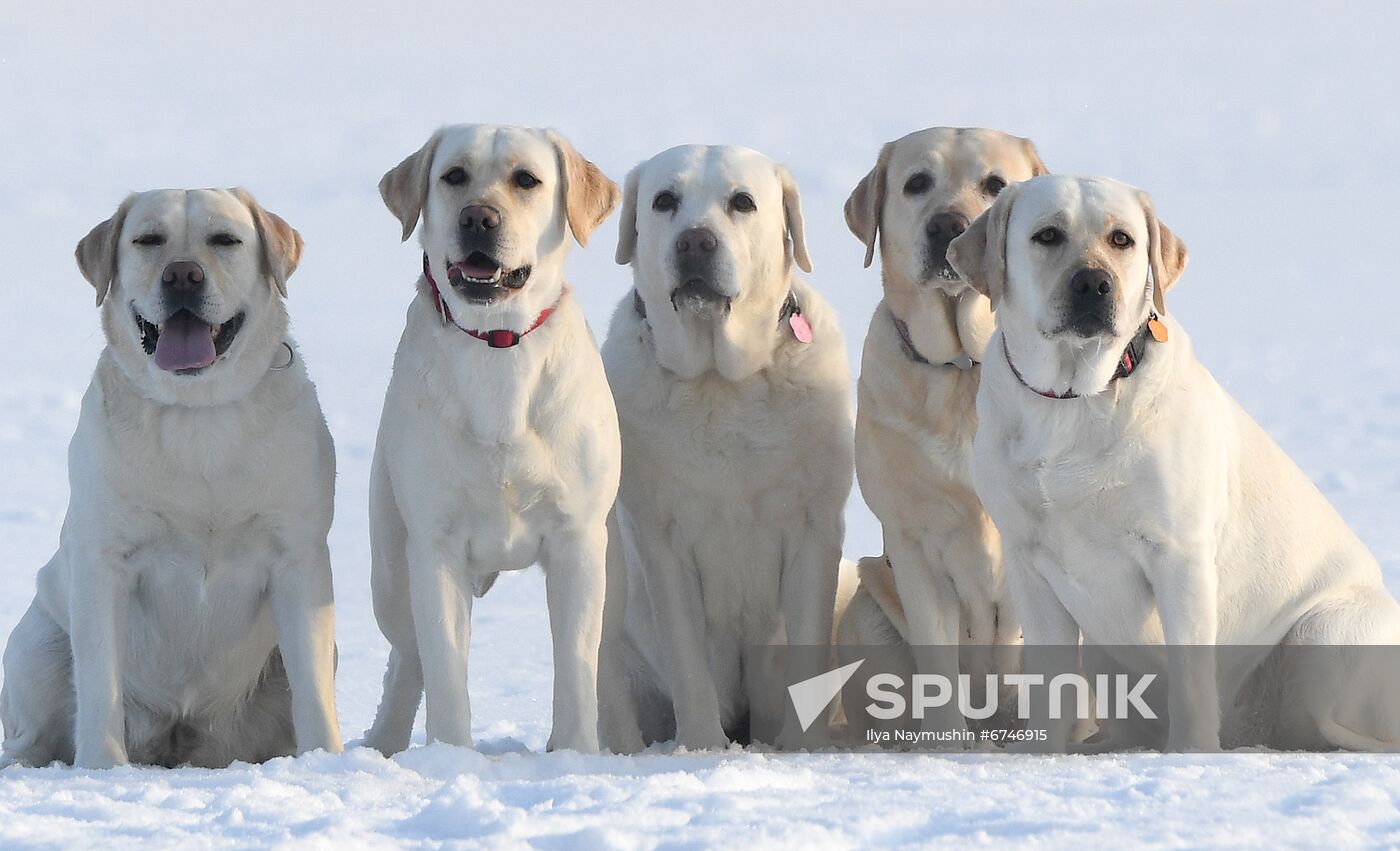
point(498, 448)
point(1140, 507)
point(941, 579)
point(186, 617)
point(731, 384)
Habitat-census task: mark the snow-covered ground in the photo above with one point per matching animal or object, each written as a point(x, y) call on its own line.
point(1267, 133)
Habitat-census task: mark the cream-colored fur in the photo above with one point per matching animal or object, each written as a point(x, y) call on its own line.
point(186, 616)
point(492, 459)
point(915, 420)
point(1150, 515)
point(736, 453)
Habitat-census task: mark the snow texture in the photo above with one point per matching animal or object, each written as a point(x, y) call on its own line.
point(1267, 134)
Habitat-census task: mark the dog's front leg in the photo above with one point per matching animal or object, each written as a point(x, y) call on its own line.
point(1052, 649)
point(935, 618)
point(675, 594)
point(808, 591)
point(575, 577)
point(1187, 600)
point(617, 707)
point(304, 610)
point(442, 621)
point(99, 599)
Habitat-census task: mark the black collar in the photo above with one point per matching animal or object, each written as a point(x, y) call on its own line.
point(790, 307)
point(1127, 364)
point(907, 344)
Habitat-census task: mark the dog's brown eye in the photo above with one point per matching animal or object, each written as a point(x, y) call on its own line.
point(526, 180)
point(1120, 239)
point(993, 185)
point(149, 239)
point(1049, 236)
point(665, 202)
point(742, 202)
point(224, 240)
point(455, 176)
point(918, 184)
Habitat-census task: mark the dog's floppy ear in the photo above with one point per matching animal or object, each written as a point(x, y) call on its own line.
point(979, 254)
point(404, 187)
point(867, 201)
point(588, 194)
point(627, 220)
point(281, 244)
point(1037, 164)
point(1165, 253)
point(792, 217)
point(97, 252)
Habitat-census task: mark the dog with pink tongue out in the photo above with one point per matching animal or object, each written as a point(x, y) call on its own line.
point(186, 617)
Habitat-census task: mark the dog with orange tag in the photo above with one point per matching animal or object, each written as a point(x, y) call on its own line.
point(1142, 511)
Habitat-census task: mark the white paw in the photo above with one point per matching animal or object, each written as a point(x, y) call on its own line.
point(703, 740)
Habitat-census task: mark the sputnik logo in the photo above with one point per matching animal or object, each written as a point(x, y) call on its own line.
point(811, 697)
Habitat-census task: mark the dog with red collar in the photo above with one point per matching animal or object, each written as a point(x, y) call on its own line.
point(1141, 510)
point(498, 448)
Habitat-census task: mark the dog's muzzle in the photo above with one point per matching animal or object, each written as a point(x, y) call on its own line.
point(1090, 305)
point(941, 230)
point(696, 259)
point(480, 277)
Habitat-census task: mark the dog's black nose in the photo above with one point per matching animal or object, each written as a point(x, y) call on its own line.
point(945, 227)
point(696, 241)
point(479, 218)
point(1090, 285)
point(1091, 309)
point(182, 276)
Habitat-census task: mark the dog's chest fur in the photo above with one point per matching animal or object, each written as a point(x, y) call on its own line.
point(194, 508)
point(1066, 486)
point(498, 446)
point(730, 454)
point(1106, 498)
point(914, 425)
point(733, 471)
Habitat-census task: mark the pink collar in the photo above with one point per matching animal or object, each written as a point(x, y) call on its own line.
point(500, 338)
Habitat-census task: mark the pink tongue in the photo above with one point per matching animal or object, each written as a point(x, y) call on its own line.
point(185, 343)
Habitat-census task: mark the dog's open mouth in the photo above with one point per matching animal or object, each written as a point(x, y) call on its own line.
point(700, 298)
point(185, 344)
point(481, 278)
point(938, 271)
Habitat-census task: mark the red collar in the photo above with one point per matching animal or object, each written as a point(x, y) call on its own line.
point(500, 338)
point(1127, 364)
